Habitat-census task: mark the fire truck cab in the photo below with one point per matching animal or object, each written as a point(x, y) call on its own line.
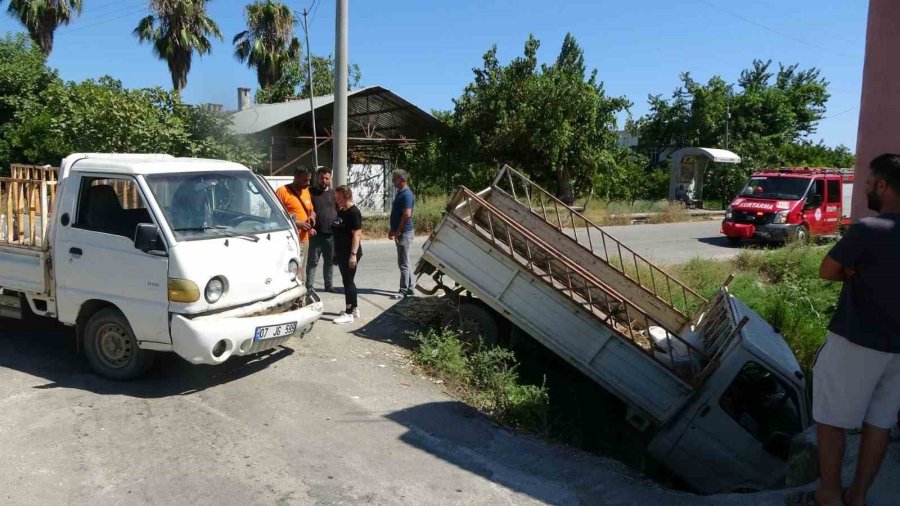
point(790, 203)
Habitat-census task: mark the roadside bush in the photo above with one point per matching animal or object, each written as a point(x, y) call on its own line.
point(483, 376)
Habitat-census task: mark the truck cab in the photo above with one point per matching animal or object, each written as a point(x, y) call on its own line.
point(790, 204)
point(151, 253)
point(734, 434)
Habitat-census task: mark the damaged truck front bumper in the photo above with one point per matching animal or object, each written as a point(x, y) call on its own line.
point(213, 338)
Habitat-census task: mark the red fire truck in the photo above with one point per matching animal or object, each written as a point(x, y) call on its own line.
point(790, 203)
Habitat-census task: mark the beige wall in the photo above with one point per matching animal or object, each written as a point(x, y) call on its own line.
point(879, 114)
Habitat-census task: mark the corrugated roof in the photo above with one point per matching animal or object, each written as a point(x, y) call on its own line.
point(372, 111)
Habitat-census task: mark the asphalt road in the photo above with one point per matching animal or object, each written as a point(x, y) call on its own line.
point(338, 417)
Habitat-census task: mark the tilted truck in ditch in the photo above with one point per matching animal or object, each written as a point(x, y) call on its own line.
point(151, 253)
point(716, 383)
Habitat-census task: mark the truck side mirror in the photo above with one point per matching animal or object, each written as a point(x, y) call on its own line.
point(146, 238)
point(778, 445)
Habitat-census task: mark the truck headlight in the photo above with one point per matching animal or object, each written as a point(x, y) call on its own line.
point(780, 217)
point(183, 290)
point(293, 269)
point(728, 212)
point(214, 289)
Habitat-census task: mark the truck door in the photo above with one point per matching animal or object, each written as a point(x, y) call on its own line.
point(833, 198)
point(739, 434)
point(95, 257)
point(814, 208)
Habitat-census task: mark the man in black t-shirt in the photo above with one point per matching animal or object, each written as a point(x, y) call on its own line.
point(321, 242)
point(856, 377)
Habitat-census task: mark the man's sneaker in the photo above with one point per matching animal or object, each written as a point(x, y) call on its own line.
point(398, 295)
point(355, 312)
point(410, 292)
point(331, 289)
point(344, 318)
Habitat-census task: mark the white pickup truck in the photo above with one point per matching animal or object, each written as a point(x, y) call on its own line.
point(718, 387)
point(152, 253)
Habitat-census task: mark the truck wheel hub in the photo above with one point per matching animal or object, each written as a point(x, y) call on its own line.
point(114, 345)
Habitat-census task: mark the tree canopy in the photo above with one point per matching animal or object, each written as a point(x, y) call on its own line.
point(293, 83)
point(45, 119)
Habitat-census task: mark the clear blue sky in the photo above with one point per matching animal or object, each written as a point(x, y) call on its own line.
point(424, 50)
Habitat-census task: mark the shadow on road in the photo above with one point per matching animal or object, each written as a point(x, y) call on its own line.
point(47, 350)
point(720, 241)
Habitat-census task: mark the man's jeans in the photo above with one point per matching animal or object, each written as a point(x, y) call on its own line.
point(320, 244)
point(403, 244)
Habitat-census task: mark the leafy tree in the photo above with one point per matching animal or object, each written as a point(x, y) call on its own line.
point(293, 83)
point(555, 122)
point(24, 77)
point(268, 44)
point(42, 17)
point(177, 29)
point(770, 111)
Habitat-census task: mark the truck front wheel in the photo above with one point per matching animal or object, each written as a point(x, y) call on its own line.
point(801, 235)
point(111, 348)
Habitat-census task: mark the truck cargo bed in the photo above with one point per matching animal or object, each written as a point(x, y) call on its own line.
point(621, 327)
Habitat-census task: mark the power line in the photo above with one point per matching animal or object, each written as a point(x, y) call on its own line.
point(835, 115)
point(773, 30)
point(133, 12)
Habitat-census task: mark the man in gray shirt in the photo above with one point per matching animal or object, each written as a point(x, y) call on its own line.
point(321, 242)
point(856, 377)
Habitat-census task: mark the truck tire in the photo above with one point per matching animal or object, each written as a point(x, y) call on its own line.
point(111, 348)
point(472, 320)
point(801, 235)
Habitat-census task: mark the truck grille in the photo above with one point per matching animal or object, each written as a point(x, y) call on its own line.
point(752, 218)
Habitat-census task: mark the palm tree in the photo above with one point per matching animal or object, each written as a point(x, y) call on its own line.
point(268, 44)
point(178, 28)
point(42, 17)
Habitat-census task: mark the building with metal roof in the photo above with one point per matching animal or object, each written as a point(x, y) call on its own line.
point(378, 119)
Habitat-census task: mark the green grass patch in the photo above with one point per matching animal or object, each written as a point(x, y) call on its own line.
point(484, 377)
point(426, 215)
point(782, 285)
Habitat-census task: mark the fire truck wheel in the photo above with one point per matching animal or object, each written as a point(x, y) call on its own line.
point(801, 235)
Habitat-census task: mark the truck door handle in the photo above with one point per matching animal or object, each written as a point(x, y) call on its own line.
point(76, 251)
point(704, 411)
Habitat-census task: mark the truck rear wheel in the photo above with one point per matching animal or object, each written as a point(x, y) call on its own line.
point(473, 320)
point(111, 348)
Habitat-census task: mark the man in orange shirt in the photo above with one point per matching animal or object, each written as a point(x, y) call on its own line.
point(296, 199)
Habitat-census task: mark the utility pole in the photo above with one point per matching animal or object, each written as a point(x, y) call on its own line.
point(340, 93)
point(312, 108)
point(727, 115)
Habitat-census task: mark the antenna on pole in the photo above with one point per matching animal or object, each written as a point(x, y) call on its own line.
point(312, 108)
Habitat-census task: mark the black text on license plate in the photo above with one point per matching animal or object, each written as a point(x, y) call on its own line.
point(273, 331)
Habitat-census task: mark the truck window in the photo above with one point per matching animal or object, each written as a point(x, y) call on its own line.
point(111, 206)
point(818, 189)
point(761, 403)
point(834, 191)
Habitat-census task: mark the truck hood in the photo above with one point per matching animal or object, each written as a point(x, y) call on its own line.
point(765, 205)
point(253, 271)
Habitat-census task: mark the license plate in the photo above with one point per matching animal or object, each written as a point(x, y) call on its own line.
point(273, 331)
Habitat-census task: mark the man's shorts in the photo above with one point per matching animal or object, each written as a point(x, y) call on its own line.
point(853, 384)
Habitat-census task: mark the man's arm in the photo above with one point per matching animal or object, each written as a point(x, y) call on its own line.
point(832, 270)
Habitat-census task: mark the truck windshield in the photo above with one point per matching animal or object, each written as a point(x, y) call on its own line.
point(763, 187)
point(204, 205)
